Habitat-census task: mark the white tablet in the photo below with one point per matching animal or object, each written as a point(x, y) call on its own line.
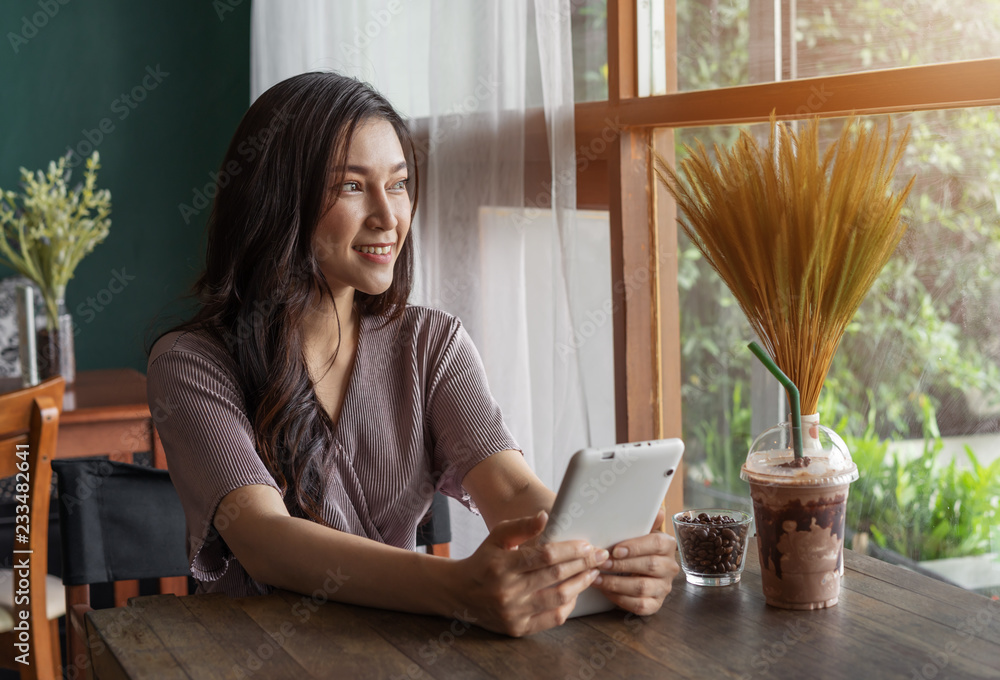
point(609, 495)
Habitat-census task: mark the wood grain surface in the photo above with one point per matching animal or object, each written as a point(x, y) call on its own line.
point(890, 623)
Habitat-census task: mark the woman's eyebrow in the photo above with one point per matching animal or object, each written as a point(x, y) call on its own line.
point(364, 170)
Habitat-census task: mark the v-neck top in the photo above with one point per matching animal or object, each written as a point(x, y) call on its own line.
point(417, 415)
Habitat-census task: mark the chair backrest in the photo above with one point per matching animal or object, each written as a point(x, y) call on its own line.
point(118, 522)
point(29, 424)
point(121, 521)
point(437, 529)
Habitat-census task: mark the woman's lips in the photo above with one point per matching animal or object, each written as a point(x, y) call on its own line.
point(379, 253)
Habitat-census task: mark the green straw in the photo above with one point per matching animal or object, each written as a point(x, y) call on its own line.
point(793, 394)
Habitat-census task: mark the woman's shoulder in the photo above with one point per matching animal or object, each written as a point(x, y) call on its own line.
point(191, 345)
point(425, 325)
point(418, 329)
point(431, 318)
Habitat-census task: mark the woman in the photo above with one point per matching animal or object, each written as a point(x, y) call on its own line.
point(312, 412)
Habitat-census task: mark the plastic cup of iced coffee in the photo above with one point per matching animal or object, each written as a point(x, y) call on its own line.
point(799, 510)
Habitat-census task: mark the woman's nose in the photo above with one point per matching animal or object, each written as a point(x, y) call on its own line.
point(380, 213)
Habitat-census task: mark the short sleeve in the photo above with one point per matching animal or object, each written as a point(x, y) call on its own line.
point(209, 446)
point(466, 423)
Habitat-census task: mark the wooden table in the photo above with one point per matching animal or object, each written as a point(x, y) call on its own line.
point(890, 623)
point(105, 413)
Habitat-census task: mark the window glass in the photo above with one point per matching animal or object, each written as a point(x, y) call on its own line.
point(589, 20)
point(737, 42)
point(915, 386)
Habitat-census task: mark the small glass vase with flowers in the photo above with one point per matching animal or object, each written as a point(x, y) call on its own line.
point(44, 233)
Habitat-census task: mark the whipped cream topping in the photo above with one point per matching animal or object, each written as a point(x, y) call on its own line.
point(827, 466)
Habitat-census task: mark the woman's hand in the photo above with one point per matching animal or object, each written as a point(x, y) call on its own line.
point(513, 585)
point(650, 566)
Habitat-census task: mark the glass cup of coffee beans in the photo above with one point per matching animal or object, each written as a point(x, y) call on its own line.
point(712, 543)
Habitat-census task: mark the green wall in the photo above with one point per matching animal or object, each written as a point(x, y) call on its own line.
point(62, 75)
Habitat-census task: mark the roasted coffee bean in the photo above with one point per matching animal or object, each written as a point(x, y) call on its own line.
point(708, 546)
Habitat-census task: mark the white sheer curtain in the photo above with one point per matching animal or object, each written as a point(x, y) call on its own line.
point(525, 273)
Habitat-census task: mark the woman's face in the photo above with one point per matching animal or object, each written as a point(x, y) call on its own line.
point(359, 237)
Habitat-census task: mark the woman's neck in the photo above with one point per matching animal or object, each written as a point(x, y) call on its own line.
point(327, 326)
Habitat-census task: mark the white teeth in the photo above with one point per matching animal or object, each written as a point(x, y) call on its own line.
point(373, 250)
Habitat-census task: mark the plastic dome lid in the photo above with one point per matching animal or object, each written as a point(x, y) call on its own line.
point(771, 457)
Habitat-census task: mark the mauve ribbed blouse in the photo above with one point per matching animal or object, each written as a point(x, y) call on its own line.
point(417, 416)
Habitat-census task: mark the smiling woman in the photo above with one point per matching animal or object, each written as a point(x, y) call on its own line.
point(318, 413)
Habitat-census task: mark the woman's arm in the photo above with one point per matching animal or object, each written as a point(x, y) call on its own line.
point(494, 588)
point(504, 487)
point(303, 556)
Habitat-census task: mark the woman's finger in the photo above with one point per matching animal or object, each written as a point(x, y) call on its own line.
point(557, 602)
point(533, 556)
point(554, 574)
point(639, 587)
point(513, 532)
point(651, 544)
point(657, 566)
point(661, 516)
point(643, 606)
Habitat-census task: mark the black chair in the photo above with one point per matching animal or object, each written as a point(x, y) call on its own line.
point(119, 523)
point(435, 533)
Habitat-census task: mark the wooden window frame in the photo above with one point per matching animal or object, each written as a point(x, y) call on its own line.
point(617, 175)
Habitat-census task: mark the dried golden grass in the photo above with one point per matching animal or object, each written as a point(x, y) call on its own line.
point(798, 237)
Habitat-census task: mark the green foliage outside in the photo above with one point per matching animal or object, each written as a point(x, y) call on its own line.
point(923, 348)
point(918, 507)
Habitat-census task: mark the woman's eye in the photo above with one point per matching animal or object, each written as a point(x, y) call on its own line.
point(350, 186)
point(401, 184)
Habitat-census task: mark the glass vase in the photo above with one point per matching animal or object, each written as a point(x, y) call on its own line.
point(56, 355)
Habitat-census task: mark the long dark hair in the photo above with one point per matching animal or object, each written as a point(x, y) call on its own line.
point(261, 271)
